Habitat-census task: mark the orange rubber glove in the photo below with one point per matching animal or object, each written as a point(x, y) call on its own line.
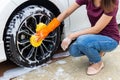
point(42, 34)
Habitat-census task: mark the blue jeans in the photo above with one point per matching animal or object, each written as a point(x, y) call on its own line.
point(91, 45)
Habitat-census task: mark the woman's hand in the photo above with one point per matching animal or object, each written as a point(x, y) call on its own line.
point(65, 43)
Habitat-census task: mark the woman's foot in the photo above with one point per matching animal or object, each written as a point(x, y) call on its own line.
point(95, 68)
point(101, 54)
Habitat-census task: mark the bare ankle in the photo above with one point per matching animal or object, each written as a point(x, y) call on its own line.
point(97, 65)
point(102, 53)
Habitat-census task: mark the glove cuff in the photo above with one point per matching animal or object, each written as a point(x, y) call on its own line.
point(53, 24)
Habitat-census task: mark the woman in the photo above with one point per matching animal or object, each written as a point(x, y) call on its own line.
point(102, 36)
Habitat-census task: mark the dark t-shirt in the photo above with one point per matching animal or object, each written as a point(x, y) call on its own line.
point(94, 13)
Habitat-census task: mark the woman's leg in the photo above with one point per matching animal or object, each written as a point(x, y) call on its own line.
point(74, 50)
point(91, 45)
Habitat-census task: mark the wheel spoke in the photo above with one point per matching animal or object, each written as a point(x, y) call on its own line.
point(23, 42)
point(44, 19)
point(31, 23)
point(31, 53)
point(45, 47)
point(24, 48)
point(40, 18)
point(35, 55)
point(29, 28)
point(42, 51)
point(49, 41)
point(24, 32)
point(35, 21)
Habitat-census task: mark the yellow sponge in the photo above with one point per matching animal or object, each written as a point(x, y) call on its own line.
point(40, 26)
point(34, 42)
point(33, 38)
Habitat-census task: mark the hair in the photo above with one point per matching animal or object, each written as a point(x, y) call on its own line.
point(108, 5)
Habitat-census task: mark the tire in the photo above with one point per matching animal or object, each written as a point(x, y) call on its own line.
point(18, 32)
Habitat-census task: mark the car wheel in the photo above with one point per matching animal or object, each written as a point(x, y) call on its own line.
point(19, 30)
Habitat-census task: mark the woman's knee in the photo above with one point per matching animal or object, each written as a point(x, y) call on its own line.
point(82, 44)
point(73, 50)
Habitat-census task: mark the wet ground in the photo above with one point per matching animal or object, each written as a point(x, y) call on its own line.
point(9, 66)
point(4, 66)
point(69, 68)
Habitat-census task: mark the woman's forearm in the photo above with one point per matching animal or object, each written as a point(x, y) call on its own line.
point(68, 12)
point(91, 30)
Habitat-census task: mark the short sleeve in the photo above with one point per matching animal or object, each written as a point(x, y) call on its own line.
point(81, 2)
point(113, 13)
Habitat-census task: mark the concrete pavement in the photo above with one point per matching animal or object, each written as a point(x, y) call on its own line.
point(72, 68)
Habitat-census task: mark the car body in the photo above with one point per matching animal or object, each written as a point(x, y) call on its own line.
point(16, 18)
